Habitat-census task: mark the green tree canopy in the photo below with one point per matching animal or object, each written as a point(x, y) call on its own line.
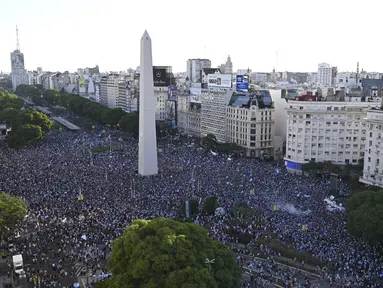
point(210, 205)
point(365, 215)
point(12, 210)
point(38, 118)
point(209, 142)
point(165, 253)
point(193, 208)
point(130, 123)
point(25, 135)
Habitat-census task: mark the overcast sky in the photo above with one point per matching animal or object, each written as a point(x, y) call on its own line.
point(71, 34)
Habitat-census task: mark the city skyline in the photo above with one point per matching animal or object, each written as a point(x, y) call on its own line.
point(250, 33)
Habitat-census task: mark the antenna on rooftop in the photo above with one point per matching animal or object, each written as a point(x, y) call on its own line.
point(357, 74)
point(276, 61)
point(17, 39)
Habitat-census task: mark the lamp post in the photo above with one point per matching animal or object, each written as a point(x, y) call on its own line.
point(209, 262)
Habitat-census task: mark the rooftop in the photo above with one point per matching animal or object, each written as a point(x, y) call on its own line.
point(261, 98)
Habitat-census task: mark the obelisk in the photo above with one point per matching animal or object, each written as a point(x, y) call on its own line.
point(147, 156)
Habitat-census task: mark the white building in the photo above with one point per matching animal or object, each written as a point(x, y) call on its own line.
point(324, 74)
point(189, 114)
point(194, 67)
point(227, 68)
point(373, 158)
point(258, 77)
point(161, 95)
point(19, 75)
point(244, 71)
point(213, 112)
point(325, 131)
point(250, 123)
point(109, 90)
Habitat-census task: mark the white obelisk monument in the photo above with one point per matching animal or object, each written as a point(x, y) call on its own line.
point(147, 158)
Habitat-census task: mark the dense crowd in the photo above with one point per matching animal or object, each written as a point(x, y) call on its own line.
point(60, 230)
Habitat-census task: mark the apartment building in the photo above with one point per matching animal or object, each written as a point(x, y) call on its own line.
point(161, 95)
point(324, 75)
point(194, 67)
point(189, 114)
point(373, 158)
point(241, 118)
point(213, 112)
point(250, 123)
point(123, 92)
point(109, 90)
point(325, 131)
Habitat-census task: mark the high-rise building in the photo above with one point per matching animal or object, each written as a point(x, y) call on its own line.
point(213, 112)
point(373, 158)
point(19, 75)
point(194, 67)
point(250, 123)
point(325, 131)
point(189, 114)
point(109, 90)
point(227, 68)
point(324, 77)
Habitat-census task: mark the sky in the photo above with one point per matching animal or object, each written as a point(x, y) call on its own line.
point(71, 34)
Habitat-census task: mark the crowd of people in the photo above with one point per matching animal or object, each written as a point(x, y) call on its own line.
point(79, 202)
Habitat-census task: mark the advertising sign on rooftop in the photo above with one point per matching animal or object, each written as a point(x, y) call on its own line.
point(219, 80)
point(159, 77)
point(242, 83)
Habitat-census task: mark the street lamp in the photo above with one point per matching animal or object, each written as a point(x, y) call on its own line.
point(209, 262)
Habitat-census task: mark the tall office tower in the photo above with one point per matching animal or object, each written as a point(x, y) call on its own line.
point(19, 76)
point(194, 68)
point(147, 145)
point(324, 74)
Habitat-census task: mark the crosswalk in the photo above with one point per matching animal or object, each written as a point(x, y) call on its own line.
point(79, 269)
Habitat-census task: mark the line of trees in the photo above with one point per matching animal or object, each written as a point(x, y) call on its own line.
point(210, 143)
point(116, 117)
point(28, 126)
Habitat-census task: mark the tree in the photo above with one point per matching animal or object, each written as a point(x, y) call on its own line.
point(130, 123)
point(38, 118)
point(166, 253)
point(12, 210)
point(209, 142)
point(112, 116)
point(365, 215)
point(24, 135)
point(210, 205)
point(193, 208)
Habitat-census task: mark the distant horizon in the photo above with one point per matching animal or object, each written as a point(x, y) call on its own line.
point(282, 36)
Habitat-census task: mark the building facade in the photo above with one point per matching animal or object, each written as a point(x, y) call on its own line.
point(227, 68)
point(250, 126)
point(324, 76)
point(188, 115)
point(19, 75)
point(373, 158)
point(109, 90)
point(194, 67)
point(325, 131)
point(213, 112)
point(161, 95)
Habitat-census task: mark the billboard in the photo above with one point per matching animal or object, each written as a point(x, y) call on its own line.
point(159, 77)
point(243, 83)
point(219, 80)
point(170, 111)
point(172, 93)
point(17, 60)
point(81, 82)
point(195, 94)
